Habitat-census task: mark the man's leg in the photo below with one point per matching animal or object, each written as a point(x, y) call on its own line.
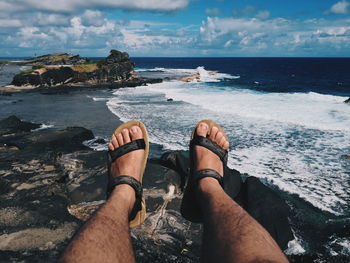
point(106, 238)
point(230, 234)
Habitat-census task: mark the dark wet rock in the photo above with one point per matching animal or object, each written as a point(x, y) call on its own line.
point(35, 224)
point(100, 141)
point(267, 208)
point(170, 99)
point(13, 124)
point(347, 101)
point(66, 140)
point(53, 183)
point(50, 77)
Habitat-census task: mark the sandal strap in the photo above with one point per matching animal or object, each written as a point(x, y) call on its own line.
point(210, 145)
point(136, 185)
point(126, 148)
point(198, 175)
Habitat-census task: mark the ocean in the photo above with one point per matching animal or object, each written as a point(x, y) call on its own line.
point(286, 119)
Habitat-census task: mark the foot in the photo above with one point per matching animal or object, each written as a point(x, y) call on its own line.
point(129, 164)
point(206, 159)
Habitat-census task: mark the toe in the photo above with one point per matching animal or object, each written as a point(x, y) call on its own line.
point(114, 142)
point(110, 146)
point(136, 133)
point(126, 136)
point(202, 129)
point(120, 139)
point(214, 130)
point(222, 142)
point(218, 137)
point(226, 145)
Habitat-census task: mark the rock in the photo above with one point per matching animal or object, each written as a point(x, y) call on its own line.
point(115, 71)
point(194, 77)
point(49, 76)
point(13, 124)
point(56, 59)
point(100, 141)
point(170, 99)
point(347, 101)
point(53, 183)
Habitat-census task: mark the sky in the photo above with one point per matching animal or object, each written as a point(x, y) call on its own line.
point(176, 28)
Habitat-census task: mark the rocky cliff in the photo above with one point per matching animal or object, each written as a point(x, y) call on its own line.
point(50, 183)
point(116, 68)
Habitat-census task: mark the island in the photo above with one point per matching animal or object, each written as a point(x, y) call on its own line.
point(59, 71)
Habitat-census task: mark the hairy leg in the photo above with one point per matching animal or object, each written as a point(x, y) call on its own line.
point(105, 237)
point(230, 233)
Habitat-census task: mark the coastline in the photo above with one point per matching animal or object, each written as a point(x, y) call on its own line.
point(87, 108)
point(76, 108)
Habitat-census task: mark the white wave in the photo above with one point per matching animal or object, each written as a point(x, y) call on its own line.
point(338, 246)
point(311, 110)
point(205, 76)
point(213, 76)
point(150, 69)
point(100, 99)
point(292, 141)
point(96, 146)
point(44, 127)
point(294, 248)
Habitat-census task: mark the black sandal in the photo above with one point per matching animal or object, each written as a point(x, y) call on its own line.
point(138, 213)
point(190, 208)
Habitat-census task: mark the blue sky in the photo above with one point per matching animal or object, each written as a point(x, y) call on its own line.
point(308, 28)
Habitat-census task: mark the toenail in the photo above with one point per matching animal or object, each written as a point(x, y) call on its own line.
point(134, 129)
point(203, 126)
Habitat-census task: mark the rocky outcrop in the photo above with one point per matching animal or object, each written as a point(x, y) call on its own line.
point(50, 183)
point(115, 71)
point(56, 59)
point(347, 101)
point(13, 125)
point(116, 68)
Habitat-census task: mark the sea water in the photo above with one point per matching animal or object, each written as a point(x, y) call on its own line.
point(290, 130)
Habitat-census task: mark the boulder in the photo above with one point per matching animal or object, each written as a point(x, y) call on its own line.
point(13, 124)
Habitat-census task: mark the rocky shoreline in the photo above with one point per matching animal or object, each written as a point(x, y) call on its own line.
point(50, 74)
point(50, 183)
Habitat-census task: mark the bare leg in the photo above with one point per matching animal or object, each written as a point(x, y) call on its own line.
point(106, 238)
point(230, 234)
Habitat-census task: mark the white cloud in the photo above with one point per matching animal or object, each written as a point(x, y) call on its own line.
point(89, 32)
point(340, 8)
point(92, 17)
point(10, 23)
point(282, 37)
point(76, 5)
point(50, 19)
point(213, 11)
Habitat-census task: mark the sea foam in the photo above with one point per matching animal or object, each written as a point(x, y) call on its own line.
point(292, 141)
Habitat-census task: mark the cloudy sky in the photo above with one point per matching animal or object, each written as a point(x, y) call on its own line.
point(176, 27)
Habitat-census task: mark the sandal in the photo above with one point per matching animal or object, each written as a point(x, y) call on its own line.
point(190, 208)
point(138, 213)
